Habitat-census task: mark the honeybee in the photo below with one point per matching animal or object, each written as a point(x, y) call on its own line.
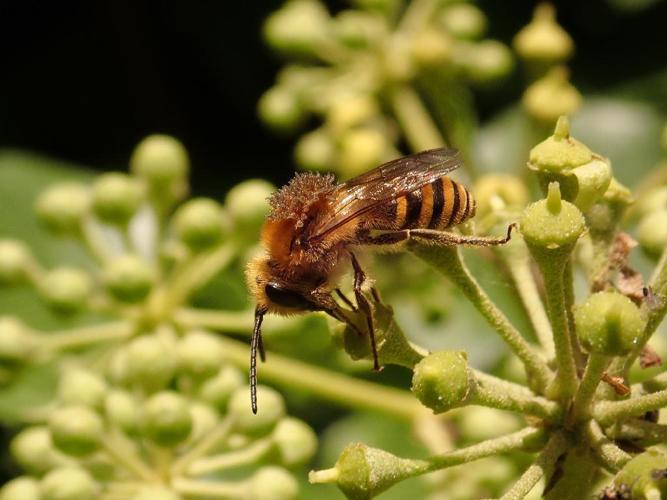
point(315, 225)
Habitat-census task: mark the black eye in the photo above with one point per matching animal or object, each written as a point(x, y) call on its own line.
point(286, 298)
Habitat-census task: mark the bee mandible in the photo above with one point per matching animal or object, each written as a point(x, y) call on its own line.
point(315, 226)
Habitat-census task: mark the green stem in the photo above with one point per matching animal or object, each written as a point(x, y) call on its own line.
point(655, 384)
point(543, 466)
point(597, 364)
point(568, 289)
point(347, 391)
point(416, 16)
point(607, 452)
point(209, 489)
point(418, 126)
point(93, 240)
point(447, 260)
point(230, 321)
point(238, 458)
point(124, 457)
point(607, 412)
point(643, 433)
point(86, 336)
point(206, 444)
point(497, 393)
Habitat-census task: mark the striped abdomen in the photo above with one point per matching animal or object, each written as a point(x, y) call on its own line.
point(438, 205)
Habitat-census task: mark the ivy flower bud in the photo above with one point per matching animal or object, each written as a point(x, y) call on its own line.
point(69, 483)
point(62, 207)
point(76, 430)
point(652, 233)
point(509, 189)
point(16, 342)
point(442, 380)
point(217, 390)
point(298, 27)
point(151, 363)
point(543, 40)
point(129, 278)
point(167, 419)
point(360, 150)
point(121, 410)
point(271, 410)
point(351, 111)
point(66, 290)
point(608, 323)
point(315, 150)
point(357, 29)
point(485, 62)
point(82, 387)
point(295, 442)
point(200, 354)
point(153, 492)
point(33, 450)
point(281, 109)
point(247, 204)
point(551, 96)
point(21, 488)
point(199, 223)
point(463, 20)
point(552, 223)
point(116, 198)
point(15, 262)
point(638, 474)
point(272, 483)
point(162, 161)
point(431, 48)
point(204, 419)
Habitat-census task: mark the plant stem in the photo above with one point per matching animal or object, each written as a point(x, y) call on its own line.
point(643, 433)
point(210, 441)
point(124, 457)
point(447, 260)
point(416, 16)
point(607, 412)
point(85, 336)
point(216, 463)
point(229, 321)
point(92, 238)
point(655, 384)
point(418, 126)
point(347, 391)
point(597, 364)
point(209, 489)
point(542, 466)
point(609, 454)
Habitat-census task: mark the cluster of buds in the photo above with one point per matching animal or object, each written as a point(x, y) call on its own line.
point(591, 389)
point(359, 73)
point(149, 403)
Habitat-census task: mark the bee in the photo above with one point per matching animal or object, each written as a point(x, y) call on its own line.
point(315, 226)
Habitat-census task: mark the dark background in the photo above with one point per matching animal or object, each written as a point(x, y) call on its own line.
point(85, 80)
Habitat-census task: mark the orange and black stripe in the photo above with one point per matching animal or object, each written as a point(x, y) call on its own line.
point(438, 205)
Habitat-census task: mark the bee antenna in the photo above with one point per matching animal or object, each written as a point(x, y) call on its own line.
point(255, 344)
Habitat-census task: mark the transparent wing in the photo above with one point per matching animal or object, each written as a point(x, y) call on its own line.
point(386, 182)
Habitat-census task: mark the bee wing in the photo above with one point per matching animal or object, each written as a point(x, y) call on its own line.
point(386, 182)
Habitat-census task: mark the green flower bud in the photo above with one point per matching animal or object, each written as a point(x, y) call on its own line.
point(271, 410)
point(351, 111)
point(151, 362)
point(552, 223)
point(162, 161)
point(62, 207)
point(431, 48)
point(398, 64)
point(608, 323)
point(76, 430)
point(463, 20)
point(204, 419)
point(559, 152)
point(21, 488)
point(121, 410)
point(217, 390)
point(247, 203)
point(543, 40)
point(118, 369)
point(116, 198)
point(508, 189)
point(272, 483)
point(33, 450)
point(478, 423)
point(17, 343)
point(82, 387)
point(69, 483)
point(298, 27)
point(66, 290)
point(167, 419)
point(154, 492)
point(442, 380)
point(638, 475)
point(129, 278)
point(551, 96)
point(654, 200)
point(357, 29)
point(15, 262)
point(295, 442)
point(200, 354)
point(280, 108)
point(200, 223)
point(485, 62)
point(652, 233)
point(315, 150)
point(360, 150)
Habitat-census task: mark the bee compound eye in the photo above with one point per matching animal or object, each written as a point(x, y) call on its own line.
point(285, 297)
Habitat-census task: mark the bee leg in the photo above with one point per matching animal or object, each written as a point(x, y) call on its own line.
point(365, 307)
point(345, 299)
point(449, 239)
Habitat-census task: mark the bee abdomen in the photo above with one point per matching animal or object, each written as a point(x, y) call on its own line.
point(437, 205)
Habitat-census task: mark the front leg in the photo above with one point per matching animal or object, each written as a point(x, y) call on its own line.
point(365, 307)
